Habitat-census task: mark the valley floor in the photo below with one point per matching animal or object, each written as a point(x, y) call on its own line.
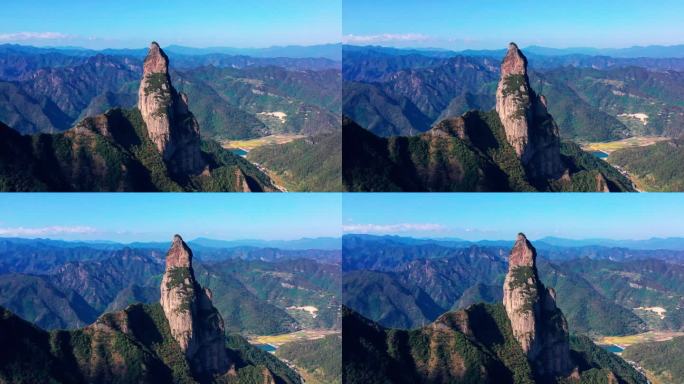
point(242, 147)
point(248, 145)
point(305, 334)
point(273, 342)
point(630, 142)
point(626, 341)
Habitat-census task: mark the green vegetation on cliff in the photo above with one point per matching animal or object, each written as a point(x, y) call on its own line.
point(598, 365)
point(111, 152)
point(321, 358)
point(662, 358)
point(475, 345)
point(657, 167)
point(306, 165)
point(469, 153)
point(134, 345)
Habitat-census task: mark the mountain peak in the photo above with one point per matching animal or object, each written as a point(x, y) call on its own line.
point(156, 60)
point(523, 253)
point(538, 325)
point(194, 322)
point(514, 62)
point(170, 125)
point(179, 255)
point(529, 128)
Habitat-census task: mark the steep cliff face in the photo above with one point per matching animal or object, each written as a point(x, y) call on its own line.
point(538, 325)
point(529, 128)
point(194, 322)
point(170, 125)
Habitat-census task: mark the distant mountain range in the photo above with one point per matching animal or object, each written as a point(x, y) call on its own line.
point(650, 51)
point(654, 243)
point(325, 243)
point(327, 51)
point(61, 284)
point(591, 98)
point(673, 243)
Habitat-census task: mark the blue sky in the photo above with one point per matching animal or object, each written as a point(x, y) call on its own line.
point(129, 217)
point(491, 24)
point(134, 23)
point(500, 216)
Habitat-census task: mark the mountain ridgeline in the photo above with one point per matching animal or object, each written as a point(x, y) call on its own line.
point(154, 147)
point(516, 147)
point(525, 340)
point(182, 341)
point(406, 283)
point(258, 291)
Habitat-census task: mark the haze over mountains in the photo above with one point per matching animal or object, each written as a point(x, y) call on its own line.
point(649, 51)
point(654, 243)
point(327, 51)
point(327, 243)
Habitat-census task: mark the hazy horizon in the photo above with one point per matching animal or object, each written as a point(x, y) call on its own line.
point(504, 47)
point(165, 46)
point(170, 239)
point(399, 234)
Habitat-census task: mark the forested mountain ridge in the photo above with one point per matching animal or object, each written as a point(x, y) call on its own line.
point(154, 147)
point(143, 343)
point(515, 148)
point(526, 340)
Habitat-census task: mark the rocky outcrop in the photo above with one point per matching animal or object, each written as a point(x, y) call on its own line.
point(451, 127)
point(538, 325)
point(529, 127)
point(170, 125)
point(601, 183)
point(195, 324)
point(241, 184)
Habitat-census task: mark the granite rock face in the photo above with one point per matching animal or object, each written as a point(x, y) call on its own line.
point(170, 125)
point(538, 325)
point(195, 324)
point(529, 127)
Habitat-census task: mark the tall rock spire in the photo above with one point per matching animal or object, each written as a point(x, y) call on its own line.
point(195, 324)
point(529, 128)
point(170, 125)
point(538, 325)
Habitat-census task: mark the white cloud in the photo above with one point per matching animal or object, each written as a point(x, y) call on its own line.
point(385, 38)
point(23, 36)
point(393, 228)
point(46, 231)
